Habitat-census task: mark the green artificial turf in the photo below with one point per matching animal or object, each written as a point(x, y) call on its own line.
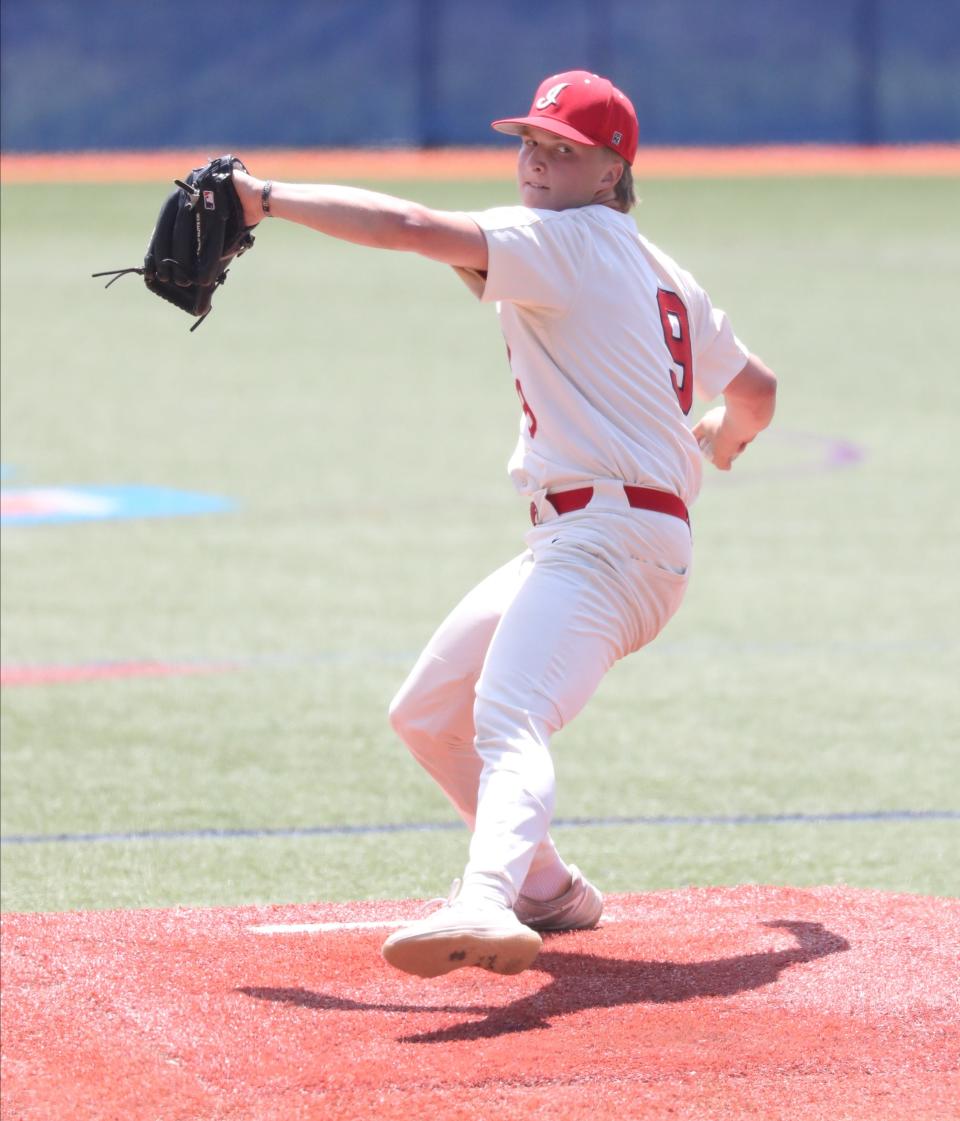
point(356, 407)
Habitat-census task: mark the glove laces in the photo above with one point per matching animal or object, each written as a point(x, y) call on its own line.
point(117, 273)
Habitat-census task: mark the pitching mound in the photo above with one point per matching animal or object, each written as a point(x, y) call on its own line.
point(705, 1003)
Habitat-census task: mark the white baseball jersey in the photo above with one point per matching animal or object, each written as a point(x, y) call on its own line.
point(608, 339)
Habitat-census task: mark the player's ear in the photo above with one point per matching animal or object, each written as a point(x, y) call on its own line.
point(613, 172)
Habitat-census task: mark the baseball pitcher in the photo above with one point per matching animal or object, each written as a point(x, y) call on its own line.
point(608, 341)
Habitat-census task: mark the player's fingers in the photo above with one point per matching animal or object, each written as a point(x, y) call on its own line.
point(705, 443)
point(726, 462)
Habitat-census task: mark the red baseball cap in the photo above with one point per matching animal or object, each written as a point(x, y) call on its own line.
point(584, 107)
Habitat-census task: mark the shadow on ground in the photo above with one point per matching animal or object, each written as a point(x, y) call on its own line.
point(582, 981)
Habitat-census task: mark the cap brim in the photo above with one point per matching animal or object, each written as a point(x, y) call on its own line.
point(514, 126)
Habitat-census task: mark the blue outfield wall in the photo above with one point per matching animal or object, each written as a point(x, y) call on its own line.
point(82, 74)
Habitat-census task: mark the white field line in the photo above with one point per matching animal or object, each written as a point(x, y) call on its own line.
point(322, 927)
point(336, 927)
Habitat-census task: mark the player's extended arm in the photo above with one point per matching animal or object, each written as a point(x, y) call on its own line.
point(749, 403)
point(369, 218)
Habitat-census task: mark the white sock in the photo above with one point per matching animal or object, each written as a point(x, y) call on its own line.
point(548, 882)
point(485, 889)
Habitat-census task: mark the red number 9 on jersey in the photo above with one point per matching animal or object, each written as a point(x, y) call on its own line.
point(676, 334)
point(527, 411)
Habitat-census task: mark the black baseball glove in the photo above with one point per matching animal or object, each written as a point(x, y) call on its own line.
point(199, 231)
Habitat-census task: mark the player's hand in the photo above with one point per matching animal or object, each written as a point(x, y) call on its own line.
point(248, 190)
point(719, 441)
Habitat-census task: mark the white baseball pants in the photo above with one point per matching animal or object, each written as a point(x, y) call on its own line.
point(518, 658)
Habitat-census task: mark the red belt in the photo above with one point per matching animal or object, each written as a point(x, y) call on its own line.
point(639, 498)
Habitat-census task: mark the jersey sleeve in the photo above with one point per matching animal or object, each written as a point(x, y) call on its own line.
point(534, 256)
point(718, 355)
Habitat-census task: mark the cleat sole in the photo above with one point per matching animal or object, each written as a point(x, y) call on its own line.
point(435, 953)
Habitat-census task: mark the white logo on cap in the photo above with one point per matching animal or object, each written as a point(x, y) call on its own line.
point(550, 97)
point(617, 137)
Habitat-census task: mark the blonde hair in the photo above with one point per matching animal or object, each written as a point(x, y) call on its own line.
point(625, 192)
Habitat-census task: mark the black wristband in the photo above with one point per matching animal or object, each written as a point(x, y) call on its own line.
point(265, 196)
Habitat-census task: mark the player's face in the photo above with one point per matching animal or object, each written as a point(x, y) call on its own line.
point(557, 174)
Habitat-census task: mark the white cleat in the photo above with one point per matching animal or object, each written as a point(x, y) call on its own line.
point(460, 935)
point(579, 908)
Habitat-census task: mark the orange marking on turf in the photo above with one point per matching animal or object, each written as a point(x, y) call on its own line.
point(481, 163)
point(721, 1003)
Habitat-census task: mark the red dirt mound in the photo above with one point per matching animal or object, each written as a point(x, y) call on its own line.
point(704, 1003)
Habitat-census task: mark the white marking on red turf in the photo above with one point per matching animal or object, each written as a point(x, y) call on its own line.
point(321, 927)
point(334, 927)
